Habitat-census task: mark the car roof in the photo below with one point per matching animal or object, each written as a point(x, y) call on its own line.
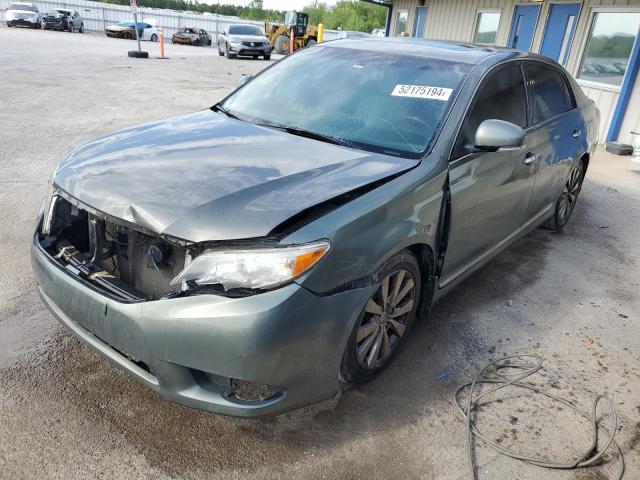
point(434, 49)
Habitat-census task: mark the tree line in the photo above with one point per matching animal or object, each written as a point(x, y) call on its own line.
point(344, 15)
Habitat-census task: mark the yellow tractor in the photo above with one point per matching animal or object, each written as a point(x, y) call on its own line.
point(279, 34)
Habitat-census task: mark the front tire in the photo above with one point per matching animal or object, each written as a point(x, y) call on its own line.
point(385, 320)
point(267, 57)
point(71, 28)
point(81, 29)
point(568, 198)
point(282, 45)
point(227, 53)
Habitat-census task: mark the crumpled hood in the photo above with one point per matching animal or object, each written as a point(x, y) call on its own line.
point(204, 176)
point(119, 28)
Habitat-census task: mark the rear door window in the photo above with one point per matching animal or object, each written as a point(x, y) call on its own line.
point(549, 94)
point(501, 96)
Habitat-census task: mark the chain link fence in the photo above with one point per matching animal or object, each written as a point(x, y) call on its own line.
point(97, 16)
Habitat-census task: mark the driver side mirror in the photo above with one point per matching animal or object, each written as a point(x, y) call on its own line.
point(493, 135)
point(244, 78)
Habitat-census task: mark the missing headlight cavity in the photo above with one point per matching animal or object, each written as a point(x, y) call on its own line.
point(127, 263)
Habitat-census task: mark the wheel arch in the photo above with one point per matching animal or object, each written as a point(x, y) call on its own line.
point(585, 158)
point(426, 260)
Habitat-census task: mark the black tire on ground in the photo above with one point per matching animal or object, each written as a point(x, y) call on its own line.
point(311, 42)
point(154, 38)
point(382, 325)
point(267, 57)
point(9, 25)
point(127, 36)
point(282, 45)
point(81, 29)
point(209, 43)
point(568, 198)
point(220, 52)
point(137, 54)
point(255, 57)
point(71, 29)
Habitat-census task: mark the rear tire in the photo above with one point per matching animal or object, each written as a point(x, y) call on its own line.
point(81, 29)
point(311, 42)
point(126, 36)
point(267, 57)
point(385, 320)
point(567, 200)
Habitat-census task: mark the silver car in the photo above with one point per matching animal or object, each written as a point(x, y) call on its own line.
point(246, 40)
point(251, 257)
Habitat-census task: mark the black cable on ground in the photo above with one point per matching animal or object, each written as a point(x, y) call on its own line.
point(524, 366)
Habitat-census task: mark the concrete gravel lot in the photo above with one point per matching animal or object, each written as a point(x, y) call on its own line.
point(66, 413)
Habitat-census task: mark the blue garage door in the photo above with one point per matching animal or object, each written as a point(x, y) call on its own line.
point(558, 35)
point(523, 27)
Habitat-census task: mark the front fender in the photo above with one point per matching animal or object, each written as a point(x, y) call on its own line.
point(366, 232)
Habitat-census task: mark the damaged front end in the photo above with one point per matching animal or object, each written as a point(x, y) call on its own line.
point(124, 263)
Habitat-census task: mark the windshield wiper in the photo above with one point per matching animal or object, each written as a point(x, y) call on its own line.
point(219, 108)
point(307, 134)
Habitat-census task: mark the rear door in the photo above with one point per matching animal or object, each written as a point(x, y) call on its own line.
point(490, 191)
point(556, 134)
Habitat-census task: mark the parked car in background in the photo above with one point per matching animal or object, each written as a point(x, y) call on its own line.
point(352, 35)
point(127, 31)
point(63, 19)
point(247, 258)
point(246, 40)
point(23, 15)
point(191, 36)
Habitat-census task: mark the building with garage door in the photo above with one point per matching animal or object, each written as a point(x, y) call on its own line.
point(596, 40)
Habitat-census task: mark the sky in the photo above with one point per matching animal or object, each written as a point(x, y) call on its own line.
point(275, 4)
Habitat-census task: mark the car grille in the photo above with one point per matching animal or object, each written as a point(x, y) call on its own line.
point(252, 44)
point(133, 264)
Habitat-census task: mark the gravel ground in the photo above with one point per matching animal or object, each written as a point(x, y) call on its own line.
point(65, 413)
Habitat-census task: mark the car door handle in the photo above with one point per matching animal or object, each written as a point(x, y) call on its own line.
point(576, 133)
point(529, 159)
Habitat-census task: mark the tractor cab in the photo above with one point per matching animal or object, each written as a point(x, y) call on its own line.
point(298, 21)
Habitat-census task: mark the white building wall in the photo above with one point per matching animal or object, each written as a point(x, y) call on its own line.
point(455, 20)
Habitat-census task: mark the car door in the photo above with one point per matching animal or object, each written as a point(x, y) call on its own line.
point(557, 132)
point(490, 190)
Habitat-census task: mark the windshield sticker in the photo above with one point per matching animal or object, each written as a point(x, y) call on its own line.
point(422, 91)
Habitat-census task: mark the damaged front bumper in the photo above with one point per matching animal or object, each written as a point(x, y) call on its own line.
point(196, 350)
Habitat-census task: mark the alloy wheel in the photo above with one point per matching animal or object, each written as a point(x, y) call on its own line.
point(570, 194)
point(385, 320)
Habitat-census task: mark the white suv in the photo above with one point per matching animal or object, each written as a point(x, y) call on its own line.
point(24, 15)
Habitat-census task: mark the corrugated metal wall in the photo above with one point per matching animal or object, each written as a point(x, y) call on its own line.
point(98, 15)
point(455, 20)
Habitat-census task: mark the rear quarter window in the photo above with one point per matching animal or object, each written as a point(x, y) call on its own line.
point(549, 93)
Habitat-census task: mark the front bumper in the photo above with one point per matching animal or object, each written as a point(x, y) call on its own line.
point(55, 25)
point(250, 51)
point(289, 337)
point(23, 22)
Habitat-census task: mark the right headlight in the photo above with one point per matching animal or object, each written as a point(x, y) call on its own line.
point(259, 268)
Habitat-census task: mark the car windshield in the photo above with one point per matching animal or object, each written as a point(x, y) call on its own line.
point(21, 6)
point(244, 30)
point(386, 103)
